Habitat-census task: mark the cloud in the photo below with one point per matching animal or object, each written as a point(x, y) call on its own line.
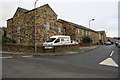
point(78, 11)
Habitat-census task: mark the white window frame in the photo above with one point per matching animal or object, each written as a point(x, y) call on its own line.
point(99, 36)
point(89, 33)
point(46, 12)
point(18, 29)
point(59, 29)
point(78, 31)
point(82, 32)
point(18, 15)
point(47, 25)
point(86, 33)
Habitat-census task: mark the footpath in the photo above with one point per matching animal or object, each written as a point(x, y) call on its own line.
point(78, 51)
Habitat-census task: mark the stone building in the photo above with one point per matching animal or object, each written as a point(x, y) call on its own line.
point(111, 39)
point(102, 37)
point(77, 32)
point(3, 31)
point(21, 26)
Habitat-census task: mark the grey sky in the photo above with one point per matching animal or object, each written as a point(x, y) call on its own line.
point(105, 12)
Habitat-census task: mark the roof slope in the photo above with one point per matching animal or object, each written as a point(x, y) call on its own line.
point(41, 7)
point(22, 9)
point(26, 11)
point(76, 25)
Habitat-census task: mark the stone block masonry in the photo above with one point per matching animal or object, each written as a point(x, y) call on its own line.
point(21, 27)
point(40, 49)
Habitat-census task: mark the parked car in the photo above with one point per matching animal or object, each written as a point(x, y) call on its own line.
point(108, 43)
point(117, 43)
point(74, 42)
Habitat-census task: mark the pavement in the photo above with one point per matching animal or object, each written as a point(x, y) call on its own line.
point(80, 50)
point(96, 63)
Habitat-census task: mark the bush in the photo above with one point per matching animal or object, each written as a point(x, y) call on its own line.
point(86, 39)
point(7, 40)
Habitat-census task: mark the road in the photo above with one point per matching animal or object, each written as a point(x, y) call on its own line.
point(83, 65)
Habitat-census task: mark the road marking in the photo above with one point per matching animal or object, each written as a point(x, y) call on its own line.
point(28, 56)
point(109, 62)
point(111, 53)
point(6, 57)
point(72, 52)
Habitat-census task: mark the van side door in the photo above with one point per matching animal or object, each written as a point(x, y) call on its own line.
point(57, 41)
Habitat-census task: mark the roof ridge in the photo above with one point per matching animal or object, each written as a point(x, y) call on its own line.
point(23, 9)
point(77, 25)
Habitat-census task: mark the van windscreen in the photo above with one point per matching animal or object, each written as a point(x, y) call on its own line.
point(50, 39)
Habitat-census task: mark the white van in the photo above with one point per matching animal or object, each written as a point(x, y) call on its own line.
point(57, 40)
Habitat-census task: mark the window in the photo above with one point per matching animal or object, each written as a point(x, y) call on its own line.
point(99, 36)
point(59, 29)
point(58, 40)
point(82, 32)
point(89, 33)
point(18, 14)
point(50, 39)
point(46, 11)
point(18, 41)
point(78, 31)
point(18, 29)
point(47, 25)
point(86, 33)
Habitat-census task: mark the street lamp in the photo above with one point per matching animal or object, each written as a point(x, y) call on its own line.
point(89, 27)
point(90, 21)
point(35, 25)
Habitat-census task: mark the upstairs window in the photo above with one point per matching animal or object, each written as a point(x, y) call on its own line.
point(78, 31)
point(18, 14)
point(86, 33)
point(59, 29)
point(46, 11)
point(47, 25)
point(99, 36)
point(82, 32)
point(89, 33)
point(18, 29)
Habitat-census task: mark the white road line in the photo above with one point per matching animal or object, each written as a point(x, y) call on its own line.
point(111, 53)
point(6, 57)
point(109, 62)
point(27, 56)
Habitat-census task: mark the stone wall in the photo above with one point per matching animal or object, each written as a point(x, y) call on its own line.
point(40, 49)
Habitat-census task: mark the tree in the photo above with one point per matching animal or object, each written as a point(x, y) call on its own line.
point(86, 39)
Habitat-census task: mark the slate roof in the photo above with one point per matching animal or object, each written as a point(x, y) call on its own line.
point(42, 6)
point(26, 11)
point(76, 25)
point(102, 32)
point(22, 9)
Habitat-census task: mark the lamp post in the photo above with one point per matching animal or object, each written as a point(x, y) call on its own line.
point(89, 27)
point(35, 26)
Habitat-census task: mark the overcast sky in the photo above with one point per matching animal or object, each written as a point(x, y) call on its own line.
point(105, 12)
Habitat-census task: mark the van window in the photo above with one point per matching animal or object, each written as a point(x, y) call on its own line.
point(58, 40)
point(50, 39)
